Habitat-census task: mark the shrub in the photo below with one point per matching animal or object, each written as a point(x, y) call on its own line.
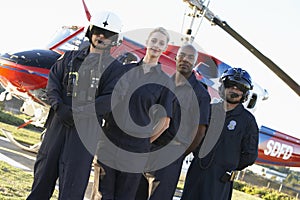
point(262, 192)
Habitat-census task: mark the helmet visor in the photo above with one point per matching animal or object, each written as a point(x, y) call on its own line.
point(106, 33)
point(240, 85)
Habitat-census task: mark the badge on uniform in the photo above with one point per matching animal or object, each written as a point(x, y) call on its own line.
point(231, 125)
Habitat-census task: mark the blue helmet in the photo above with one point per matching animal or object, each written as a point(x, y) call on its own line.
point(239, 78)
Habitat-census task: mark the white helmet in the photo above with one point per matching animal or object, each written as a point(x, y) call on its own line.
point(105, 20)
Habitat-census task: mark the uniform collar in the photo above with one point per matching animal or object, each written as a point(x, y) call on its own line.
point(83, 53)
point(237, 110)
point(156, 68)
point(191, 80)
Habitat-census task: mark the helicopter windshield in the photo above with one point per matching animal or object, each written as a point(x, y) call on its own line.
point(67, 38)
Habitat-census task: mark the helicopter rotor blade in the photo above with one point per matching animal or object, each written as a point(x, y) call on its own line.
point(264, 59)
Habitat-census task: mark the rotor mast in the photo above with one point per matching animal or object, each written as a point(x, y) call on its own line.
point(209, 15)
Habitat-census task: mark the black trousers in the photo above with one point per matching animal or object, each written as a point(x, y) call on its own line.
point(62, 155)
point(118, 185)
point(166, 180)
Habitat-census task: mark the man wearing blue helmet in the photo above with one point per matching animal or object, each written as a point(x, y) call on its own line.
point(240, 79)
point(230, 144)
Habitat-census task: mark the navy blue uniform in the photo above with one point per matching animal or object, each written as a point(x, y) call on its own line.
point(62, 154)
point(168, 176)
point(236, 149)
point(119, 182)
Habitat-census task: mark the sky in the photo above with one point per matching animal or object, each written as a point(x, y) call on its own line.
point(272, 26)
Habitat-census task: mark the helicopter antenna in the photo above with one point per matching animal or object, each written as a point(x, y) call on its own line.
point(190, 34)
point(189, 31)
point(209, 15)
point(183, 20)
point(202, 17)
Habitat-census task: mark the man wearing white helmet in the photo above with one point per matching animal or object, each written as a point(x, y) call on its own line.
point(80, 78)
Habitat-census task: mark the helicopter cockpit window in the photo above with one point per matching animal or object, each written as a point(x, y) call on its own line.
point(73, 43)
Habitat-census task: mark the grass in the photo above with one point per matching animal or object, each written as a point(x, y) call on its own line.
point(29, 135)
point(22, 135)
point(15, 119)
point(238, 195)
point(15, 184)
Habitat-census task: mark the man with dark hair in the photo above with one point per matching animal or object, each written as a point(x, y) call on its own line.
point(235, 133)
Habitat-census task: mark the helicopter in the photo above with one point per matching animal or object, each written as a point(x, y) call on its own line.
point(24, 76)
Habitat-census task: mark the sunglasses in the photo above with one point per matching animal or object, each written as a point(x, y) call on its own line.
point(106, 33)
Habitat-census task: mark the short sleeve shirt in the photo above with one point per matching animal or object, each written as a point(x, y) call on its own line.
point(191, 108)
point(137, 99)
